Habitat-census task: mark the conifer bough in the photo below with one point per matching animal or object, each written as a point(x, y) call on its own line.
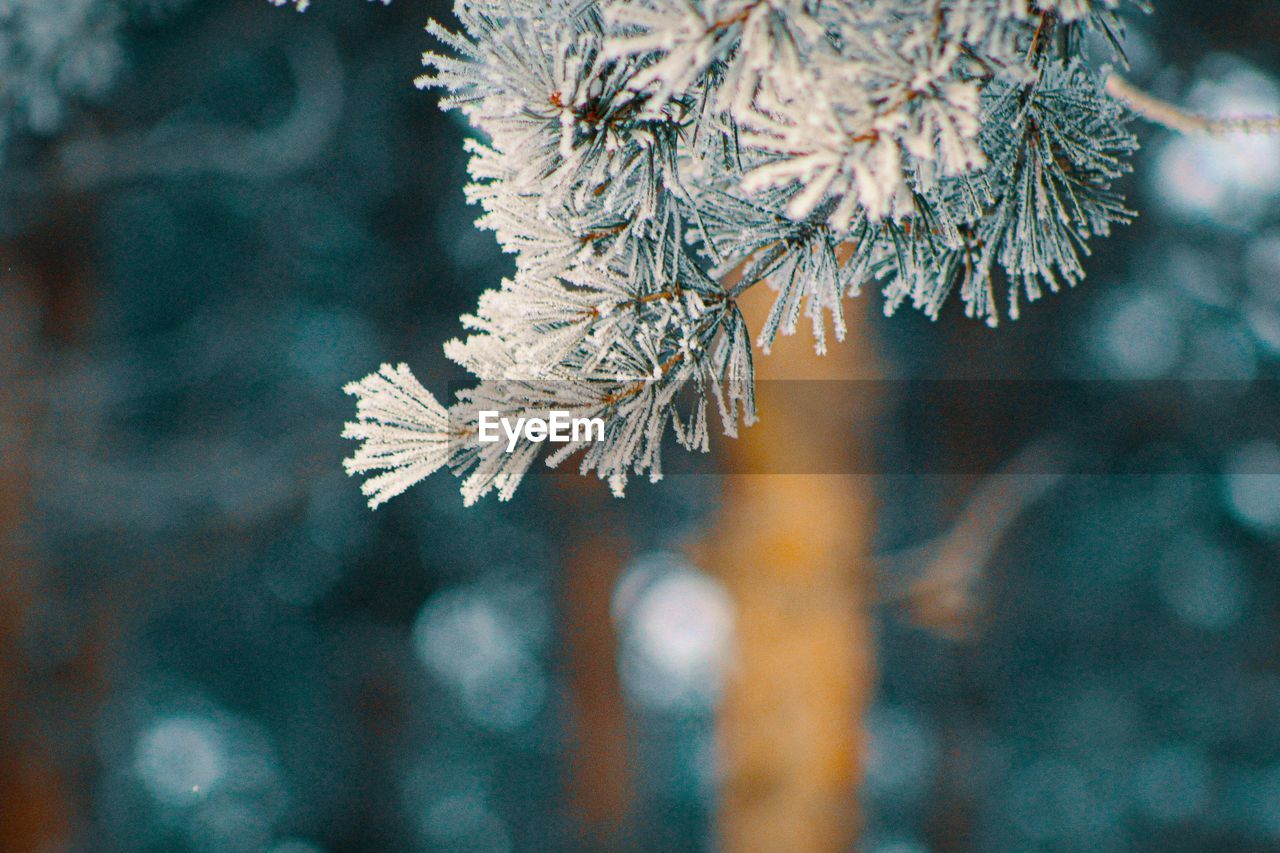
point(631, 155)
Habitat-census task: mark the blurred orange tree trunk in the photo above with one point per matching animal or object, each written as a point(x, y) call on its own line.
point(794, 550)
point(593, 556)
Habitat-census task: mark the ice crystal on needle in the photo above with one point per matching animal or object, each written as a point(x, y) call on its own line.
point(631, 153)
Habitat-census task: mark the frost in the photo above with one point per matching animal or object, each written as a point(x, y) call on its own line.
point(404, 429)
point(647, 161)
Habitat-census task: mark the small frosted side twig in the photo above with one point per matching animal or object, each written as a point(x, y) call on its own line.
point(1163, 113)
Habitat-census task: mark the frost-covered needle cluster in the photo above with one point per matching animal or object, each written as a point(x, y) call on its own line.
point(633, 153)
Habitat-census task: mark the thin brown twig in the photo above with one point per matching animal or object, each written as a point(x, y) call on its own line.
point(1167, 115)
point(953, 562)
point(1039, 39)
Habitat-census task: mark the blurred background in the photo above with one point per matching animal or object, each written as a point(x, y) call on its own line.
point(214, 213)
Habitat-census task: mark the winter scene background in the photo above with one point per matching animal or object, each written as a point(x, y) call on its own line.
point(906, 611)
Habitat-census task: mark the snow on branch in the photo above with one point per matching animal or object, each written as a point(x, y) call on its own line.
point(633, 154)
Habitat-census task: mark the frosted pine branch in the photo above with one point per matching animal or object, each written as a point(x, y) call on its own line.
point(632, 154)
point(404, 428)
